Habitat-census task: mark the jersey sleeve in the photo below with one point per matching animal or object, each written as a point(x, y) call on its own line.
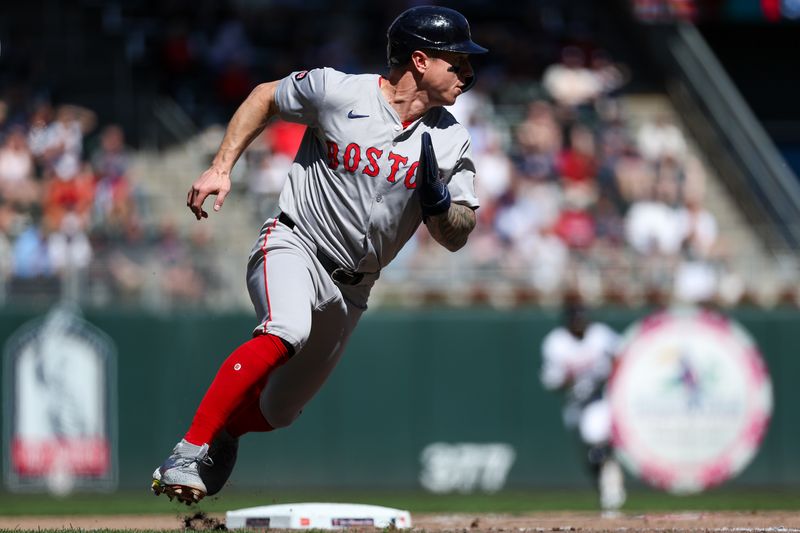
point(300, 96)
point(554, 372)
point(462, 183)
point(611, 340)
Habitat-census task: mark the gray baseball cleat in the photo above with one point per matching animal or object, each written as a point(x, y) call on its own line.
point(223, 452)
point(178, 476)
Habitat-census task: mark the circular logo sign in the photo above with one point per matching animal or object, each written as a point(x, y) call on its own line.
point(690, 398)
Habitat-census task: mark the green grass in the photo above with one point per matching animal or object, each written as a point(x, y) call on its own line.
point(515, 502)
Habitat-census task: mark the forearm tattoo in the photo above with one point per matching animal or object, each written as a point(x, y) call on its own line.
point(452, 228)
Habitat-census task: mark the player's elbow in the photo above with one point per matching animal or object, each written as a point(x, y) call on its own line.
point(263, 95)
point(265, 89)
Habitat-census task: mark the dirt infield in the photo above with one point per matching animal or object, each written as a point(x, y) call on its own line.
point(474, 523)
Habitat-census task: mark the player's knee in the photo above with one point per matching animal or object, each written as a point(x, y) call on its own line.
point(281, 418)
point(595, 423)
point(293, 338)
point(293, 330)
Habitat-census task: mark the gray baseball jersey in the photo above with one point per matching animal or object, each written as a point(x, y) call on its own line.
point(351, 186)
point(351, 195)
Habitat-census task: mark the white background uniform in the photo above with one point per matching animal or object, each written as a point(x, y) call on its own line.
point(351, 195)
point(582, 367)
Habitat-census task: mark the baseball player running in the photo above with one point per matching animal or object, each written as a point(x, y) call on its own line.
point(577, 358)
point(363, 179)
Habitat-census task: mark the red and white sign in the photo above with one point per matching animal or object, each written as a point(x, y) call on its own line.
point(691, 400)
point(60, 391)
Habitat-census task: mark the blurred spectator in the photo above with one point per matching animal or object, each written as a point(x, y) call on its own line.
point(569, 82)
point(524, 210)
point(485, 133)
point(654, 230)
point(267, 165)
point(694, 178)
point(266, 180)
point(575, 225)
point(17, 170)
point(111, 159)
point(610, 75)
point(538, 141)
point(576, 163)
point(114, 204)
point(68, 249)
point(539, 132)
point(69, 195)
point(612, 143)
point(203, 257)
point(30, 255)
point(115, 201)
point(284, 138)
point(661, 138)
point(63, 149)
point(180, 281)
point(633, 176)
point(696, 282)
point(577, 166)
point(16, 160)
point(495, 172)
point(609, 224)
point(696, 277)
point(547, 257)
point(652, 225)
point(33, 276)
point(39, 132)
point(469, 106)
point(486, 250)
point(126, 258)
point(700, 227)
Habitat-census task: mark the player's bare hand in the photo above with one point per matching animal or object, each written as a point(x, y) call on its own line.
point(214, 182)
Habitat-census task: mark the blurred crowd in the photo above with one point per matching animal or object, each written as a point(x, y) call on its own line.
point(577, 194)
point(584, 200)
point(574, 197)
point(74, 222)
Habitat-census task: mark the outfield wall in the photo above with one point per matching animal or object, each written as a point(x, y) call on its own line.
point(409, 378)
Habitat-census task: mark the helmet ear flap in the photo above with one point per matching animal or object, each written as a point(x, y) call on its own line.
point(470, 83)
point(396, 54)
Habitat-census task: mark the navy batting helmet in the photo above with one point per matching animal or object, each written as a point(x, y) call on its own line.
point(429, 28)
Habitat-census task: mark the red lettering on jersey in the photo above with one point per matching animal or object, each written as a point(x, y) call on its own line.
point(372, 156)
point(352, 157)
point(333, 154)
point(397, 160)
point(411, 176)
point(300, 75)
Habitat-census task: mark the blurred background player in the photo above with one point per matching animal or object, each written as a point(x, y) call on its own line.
point(577, 358)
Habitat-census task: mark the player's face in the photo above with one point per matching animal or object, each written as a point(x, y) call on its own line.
point(448, 73)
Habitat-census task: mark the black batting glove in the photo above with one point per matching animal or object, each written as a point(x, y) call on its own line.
point(433, 194)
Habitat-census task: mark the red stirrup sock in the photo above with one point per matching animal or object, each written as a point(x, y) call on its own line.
point(240, 377)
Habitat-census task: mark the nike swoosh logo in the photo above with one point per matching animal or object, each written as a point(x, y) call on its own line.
point(353, 115)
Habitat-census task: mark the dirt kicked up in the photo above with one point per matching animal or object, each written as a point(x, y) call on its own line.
point(778, 521)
